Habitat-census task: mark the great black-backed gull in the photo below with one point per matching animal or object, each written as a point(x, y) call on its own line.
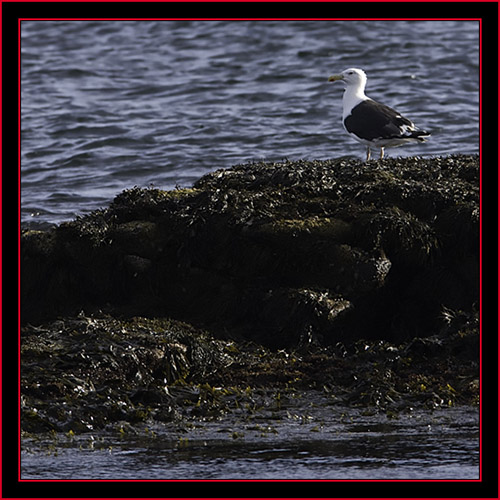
point(369, 122)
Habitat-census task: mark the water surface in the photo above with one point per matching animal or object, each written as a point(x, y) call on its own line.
point(304, 441)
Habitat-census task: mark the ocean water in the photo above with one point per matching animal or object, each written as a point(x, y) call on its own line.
point(314, 442)
point(108, 105)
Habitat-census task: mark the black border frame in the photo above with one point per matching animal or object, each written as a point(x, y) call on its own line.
point(488, 13)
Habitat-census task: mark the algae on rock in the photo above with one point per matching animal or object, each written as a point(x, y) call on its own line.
point(395, 240)
point(358, 280)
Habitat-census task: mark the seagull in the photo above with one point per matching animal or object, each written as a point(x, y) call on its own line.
point(369, 122)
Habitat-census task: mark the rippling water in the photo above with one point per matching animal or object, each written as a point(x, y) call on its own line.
point(106, 105)
point(322, 443)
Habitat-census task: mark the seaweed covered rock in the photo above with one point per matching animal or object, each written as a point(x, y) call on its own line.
point(282, 253)
point(85, 374)
point(82, 373)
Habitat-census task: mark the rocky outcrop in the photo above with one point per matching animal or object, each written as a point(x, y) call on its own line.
point(359, 281)
point(282, 253)
point(86, 374)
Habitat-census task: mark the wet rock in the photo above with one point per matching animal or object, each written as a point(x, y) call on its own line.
point(358, 280)
point(333, 250)
point(87, 374)
point(305, 312)
point(140, 238)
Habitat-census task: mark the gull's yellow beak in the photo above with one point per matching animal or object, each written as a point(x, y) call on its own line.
point(334, 78)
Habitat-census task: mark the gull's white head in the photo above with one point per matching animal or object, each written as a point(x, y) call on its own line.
point(352, 77)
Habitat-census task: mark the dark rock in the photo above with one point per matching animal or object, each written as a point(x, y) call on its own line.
point(358, 280)
point(331, 250)
point(91, 373)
